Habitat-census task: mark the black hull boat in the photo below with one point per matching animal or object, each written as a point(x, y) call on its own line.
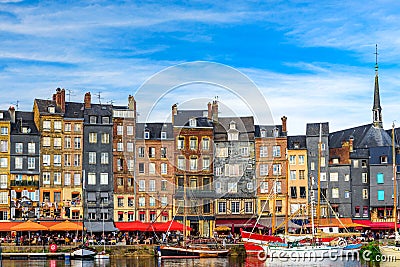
point(165, 252)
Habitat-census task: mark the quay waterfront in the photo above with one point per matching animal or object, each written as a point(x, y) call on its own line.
point(42, 252)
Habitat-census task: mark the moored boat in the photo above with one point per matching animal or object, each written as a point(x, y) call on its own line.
point(83, 252)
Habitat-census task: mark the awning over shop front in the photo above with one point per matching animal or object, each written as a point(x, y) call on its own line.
point(97, 227)
point(376, 225)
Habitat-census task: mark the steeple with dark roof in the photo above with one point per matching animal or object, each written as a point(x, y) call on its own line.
point(376, 109)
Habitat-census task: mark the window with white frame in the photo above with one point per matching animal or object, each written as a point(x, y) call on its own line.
point(164, 201)
point(146, 134)
point(3, 198)
point(57, 178)
point(163, 152)
point(120, 146)
point(263, 169)
point(129, 130)
point(264, 187)
point(218, 171)
point(163, 135)
point(46, 141)
point(323, 162)
point(67, 159)
point(67, 178)
point(248, 207)
point(192, 122)
point(276, 169)
point(335, 192)
point(67, 127)
point(57, 126)
point(221, 207)
point(93, 138)
point(364, 177)
point(323, 176)
point(92, 157)
point(152, 185)
point(301, 159)
point(193, 163)
point(181, 163)
point(276, 151)
point(141, 152)
point(31, 148)
point(181, 142)
point(91, 178)
point(46, 177)
point(57, 160)
point(105, 138)
point(244, 151)
point(334, 177)
point(292, 175)
point(206, 143)
point(3, 181)
point(235, 206)
point(46, 159)
point(131, 164)
point(278, 187)
point(142, 185)
point(129, 147)
point(4, 147)
point(152, 168)
point(347, 177)
point(263, 151)
point(46, 125)
point(120, 129)
point(292, 159)
point(77, 127)
point(67, 142)
point(218, 187)
point(206, 163)
point(141, 168)
point(4, 130)
point(152, 152)
point(104, 157)
point(77, 178)
point(142, 201)
point(103, 178)
point(164, 168)
point(193, 143)
point(31, 163)
point(18, 163)
point(77, 160)
point(77, 142)
point(222, 152)
point(57, 143)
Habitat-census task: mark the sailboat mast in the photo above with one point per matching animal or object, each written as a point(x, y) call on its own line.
point(287, 195)
point(394, 182)
point(319, 174)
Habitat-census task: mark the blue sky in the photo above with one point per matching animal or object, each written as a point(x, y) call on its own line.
point(312, 60)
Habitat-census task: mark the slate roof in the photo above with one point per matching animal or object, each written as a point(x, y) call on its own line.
point(296, 142)
point(183, 116)
point(155, 129)
point(269, 130)
point(313, 129)
point(244, 125)
point(43, 104)
point(6, 115)
point(99, 110)
point(74, 110)
point(363, 137)
point(27, 120)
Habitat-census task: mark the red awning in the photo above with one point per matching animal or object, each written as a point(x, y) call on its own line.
point(131, 226)
point(170, 226)
point(376, 225)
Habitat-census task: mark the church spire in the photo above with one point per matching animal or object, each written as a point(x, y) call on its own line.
point(376, 109)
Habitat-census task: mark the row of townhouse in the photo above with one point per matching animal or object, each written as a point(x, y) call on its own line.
point(68, 160)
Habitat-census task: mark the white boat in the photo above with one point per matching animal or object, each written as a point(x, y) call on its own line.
point(83, 252)
point(102, 256)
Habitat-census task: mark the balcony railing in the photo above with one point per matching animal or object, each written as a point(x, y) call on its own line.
point(24, 183)
point(197, 193)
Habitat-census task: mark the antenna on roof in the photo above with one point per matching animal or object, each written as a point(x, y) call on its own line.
point(69, 94)
point(99, 97)
point(110, 102)
point(16, 104)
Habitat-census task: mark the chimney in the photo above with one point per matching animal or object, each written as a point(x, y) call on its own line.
point(11, 110)
point(58, 97)
point(351, 139)
point(209, 114)
point(215, 111)
point(62, 104)
point(131, 103)
point(174, 112)
point(88, 100)
point(284, 119)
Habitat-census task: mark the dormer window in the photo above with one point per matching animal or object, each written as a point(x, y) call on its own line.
point(1, 115)
point(384, 159)
point(147, 134)
point(163, 135)
point(51, 109)
point(276, 132)
point(105, 120)
point(232, 125)
point(263, 133)
point(93, 119)
point(296, 145)
point(192, 122)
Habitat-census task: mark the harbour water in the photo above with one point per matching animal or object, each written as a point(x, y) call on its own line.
point(215, 262)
